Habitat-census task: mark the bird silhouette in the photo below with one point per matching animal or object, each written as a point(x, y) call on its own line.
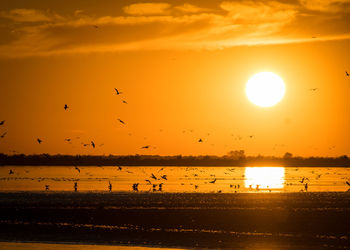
point(11, 171)
point(164, 177)
point(347, 74)
point(65, 107)
point(109, 186)
point(200, 140)
point(148, 181)
point(68, 140)
point(47, 187)
point(122, 122)
point(135, 187)
point(2, 122)
point(77, 169)
point(95, 26)
point(116, 90)
point(145, 147)
point(3, 135)
point(153, 177)
point(160, 170)
point(120, 168)
point(124, 101)
point(92, 144)
point(347, 183)
point(213, 181)
point(39, 141)
point(313, 89)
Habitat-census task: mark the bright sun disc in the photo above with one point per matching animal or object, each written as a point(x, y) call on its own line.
point(265, 89)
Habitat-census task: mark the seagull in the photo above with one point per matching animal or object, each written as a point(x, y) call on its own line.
point(65, 107)
point(2, 122)
point(153, 176)
point(149, 182)
point(124, 101)
point(121, 121)
point(95, 26)
point(77, 169)
point(200, 140)
point(195, 186)
point(145, 147)
point(47, 187)
point(39, 141)
point(347, 74)
point(92, 144)
point(313, 89)
point(160, 170)
point(347, 183)
point(116, 90)
point(11, 172)
point(213, 181)
point(68, 139)
point(3, 135)
point(164, 177)
point(120, 168)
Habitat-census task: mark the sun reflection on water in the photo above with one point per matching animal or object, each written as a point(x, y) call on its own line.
point(264, 177)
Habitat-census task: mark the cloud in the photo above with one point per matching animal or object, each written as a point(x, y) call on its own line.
point(189, 8)
point(257, 12)
point(28, 15)
point(147, 9)
point(331, 6)
point(161, 26)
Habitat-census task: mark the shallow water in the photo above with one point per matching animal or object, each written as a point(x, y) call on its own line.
point(177, 179)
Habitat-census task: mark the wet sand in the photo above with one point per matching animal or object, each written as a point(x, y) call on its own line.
point(242, 220)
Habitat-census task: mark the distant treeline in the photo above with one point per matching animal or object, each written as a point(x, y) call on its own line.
point(233, 158)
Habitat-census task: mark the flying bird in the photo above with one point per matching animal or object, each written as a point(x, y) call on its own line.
point(145, 147)
point(39, 141)
point(77, 169)
point(116, 90)
point(3, 135)
point(124, 102)
point(153, 176)
point(347, 183)
point(2, 122)
point(164, 177)
point(95, 26)
point(200, 140)
point(313, 89)
point(347, 74)
point(120, 168)
point(92, 144)
point(11, 172)
point(149, 182)
point(68, 139)
point(121, 121)
point(65, 107)
point(213, 181)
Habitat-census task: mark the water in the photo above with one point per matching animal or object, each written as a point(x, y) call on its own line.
point(177, 179)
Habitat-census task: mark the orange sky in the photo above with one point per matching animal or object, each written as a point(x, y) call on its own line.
point(182, 67)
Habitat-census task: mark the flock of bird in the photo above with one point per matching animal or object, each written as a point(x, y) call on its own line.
point(117, 92)
point(157, 180)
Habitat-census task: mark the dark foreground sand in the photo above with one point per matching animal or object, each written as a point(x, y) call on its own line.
point(249, 221)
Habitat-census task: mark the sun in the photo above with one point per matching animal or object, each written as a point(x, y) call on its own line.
point(265, 89)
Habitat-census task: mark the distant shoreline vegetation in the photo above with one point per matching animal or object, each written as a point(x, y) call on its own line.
point(233, 158)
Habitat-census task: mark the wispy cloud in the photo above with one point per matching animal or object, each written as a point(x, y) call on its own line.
point(331, 6)
point(157, 26)
point(147, 8)
point(29, 15)
point(190, 8)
